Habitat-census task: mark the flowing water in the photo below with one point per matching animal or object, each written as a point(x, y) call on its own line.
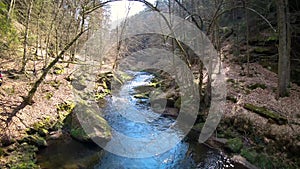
point(128, 116)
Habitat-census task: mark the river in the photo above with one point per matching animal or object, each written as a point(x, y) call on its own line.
point(134, 118)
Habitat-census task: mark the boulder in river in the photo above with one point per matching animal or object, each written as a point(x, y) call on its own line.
point(85, 124)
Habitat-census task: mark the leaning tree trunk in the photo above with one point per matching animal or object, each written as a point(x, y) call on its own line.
point(284, 47)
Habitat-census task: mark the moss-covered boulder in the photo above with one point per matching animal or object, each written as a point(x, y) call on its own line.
point(87, 125)
point(234, 145)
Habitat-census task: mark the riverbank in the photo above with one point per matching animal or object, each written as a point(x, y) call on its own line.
point(265, 140)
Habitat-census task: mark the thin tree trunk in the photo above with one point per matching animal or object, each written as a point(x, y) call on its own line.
point(11, 8)
point(26, 35)
point(247, 41)
point(284, 48)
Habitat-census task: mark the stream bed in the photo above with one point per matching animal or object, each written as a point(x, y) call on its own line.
point(134, 118)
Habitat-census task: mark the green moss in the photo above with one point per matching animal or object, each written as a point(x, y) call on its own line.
point(79, 134)
point(25, 165)
point(250, 155)
point(230, 80)
point(49, 95)
point(154, 84)
point(142, 95)
point(263, 161)
point(58, 69)
point(34, 140)
point(228, 133)
point(41, 127)
point(234, 145)
point(144, 88)
point(43, 132)
point(84, 115)
point(264, 112)
point(23, 156)
point(55, 84)
point(198, 126)
point(67, 106)
point(63, 110)
point(272, 38)
point(1, 151)
point(257, 85)
point(9, 90)
point(231, 98)
point(177, 103)
point(261, 50)
point(122, 76)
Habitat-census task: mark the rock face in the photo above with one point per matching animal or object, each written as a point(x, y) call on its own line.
point(87, 125)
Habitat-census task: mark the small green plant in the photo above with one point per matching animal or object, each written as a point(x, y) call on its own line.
point(49, 95)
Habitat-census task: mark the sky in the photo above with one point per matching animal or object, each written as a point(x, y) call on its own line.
point(119, 9)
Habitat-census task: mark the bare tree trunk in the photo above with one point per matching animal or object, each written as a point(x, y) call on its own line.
point(25, 43)
point(11, 8)
point(247, 41)
point(284, 47)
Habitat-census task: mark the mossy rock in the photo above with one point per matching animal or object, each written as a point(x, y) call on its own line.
point(264, 112)
point(234, 145)
point(85, 124)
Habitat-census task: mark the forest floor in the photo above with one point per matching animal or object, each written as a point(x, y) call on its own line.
point(260, 132)
point(54, 91)
point(258, 89)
